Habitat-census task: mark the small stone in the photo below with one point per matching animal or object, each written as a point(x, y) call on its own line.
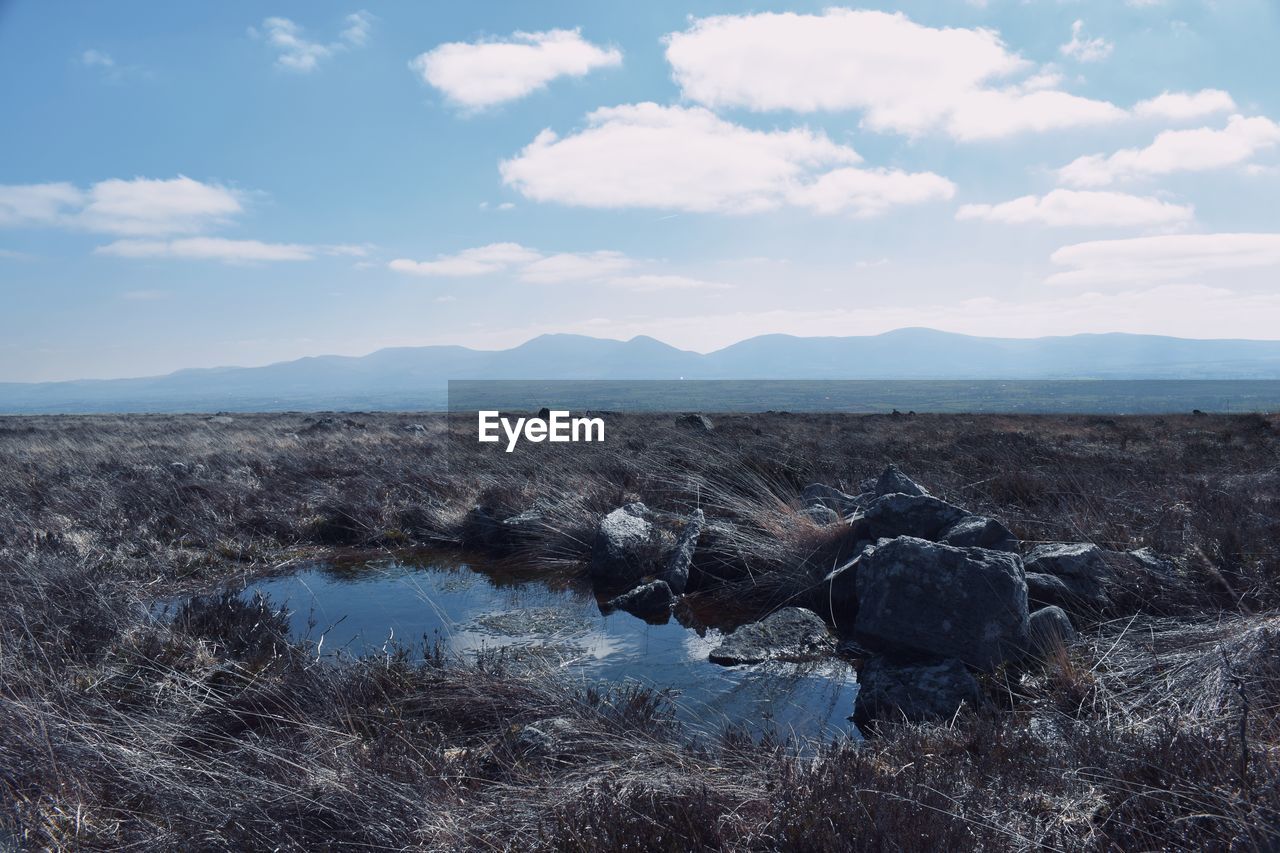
point(1051, 630)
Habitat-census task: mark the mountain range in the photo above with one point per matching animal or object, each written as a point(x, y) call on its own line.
point(413, 378)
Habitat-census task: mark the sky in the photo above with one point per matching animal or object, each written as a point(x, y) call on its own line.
point(238, 183)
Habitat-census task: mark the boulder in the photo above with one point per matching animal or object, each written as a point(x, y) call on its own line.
point(894, 482)
point(921, 516)
point(1083, 571)
point(916, 692)
point(697, 422)
point(921, 597)
point(676, 572)
point(839, 593)
point(624, 545)
point(790, 634)
point(650, 602)
point(978, 531)
point(820, 494)
point(1050, 630)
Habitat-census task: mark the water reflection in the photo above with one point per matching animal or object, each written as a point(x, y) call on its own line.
point(366, 608)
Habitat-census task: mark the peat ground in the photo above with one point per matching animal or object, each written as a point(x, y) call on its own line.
point(211, 730)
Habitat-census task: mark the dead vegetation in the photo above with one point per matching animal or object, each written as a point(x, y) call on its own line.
point(208, 729)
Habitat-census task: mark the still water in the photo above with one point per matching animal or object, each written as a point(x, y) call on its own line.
point(366, 608)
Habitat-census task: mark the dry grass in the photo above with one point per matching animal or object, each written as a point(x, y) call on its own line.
point(211, 730)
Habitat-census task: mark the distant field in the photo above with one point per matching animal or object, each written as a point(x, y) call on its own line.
point(874, 396)
point(996, 396)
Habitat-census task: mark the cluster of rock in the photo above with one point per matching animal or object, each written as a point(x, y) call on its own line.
point(934, 594)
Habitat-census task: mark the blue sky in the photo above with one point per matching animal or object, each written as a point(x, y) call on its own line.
point(199, 184)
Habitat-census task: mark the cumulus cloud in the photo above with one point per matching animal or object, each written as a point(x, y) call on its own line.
point(1075, 208)
point(1180, 106)
point(903, 76)
point(156, 217)
point(482, 74)
point(139, 207)
point(208, 249)
point(1172, 151)
point(38, 204)
point(1084, 49)
point(482, 260)
point(143, 206)
point(1180, 258)
point(300, 54)
point(529, 265)
point(688, 158)
point(568, 266)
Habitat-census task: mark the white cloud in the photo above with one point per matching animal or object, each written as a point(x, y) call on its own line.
point(97, 59)
point(209, 249)
point(1180, 106)
point(903, 76)
point(529, 265)
point(1084, 49)
point(658, 282)
point(356, 29)
point(137, 207)
point(678, 158)
point(1073, 208)
point(483, 260)
point(145, 207)
point(37, 204)
point(297, 53)
point(568, 266)
point(1180, 258)
point(485, 73)
point(1177, 151)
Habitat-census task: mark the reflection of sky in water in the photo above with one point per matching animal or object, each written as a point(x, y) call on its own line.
point(357, 611)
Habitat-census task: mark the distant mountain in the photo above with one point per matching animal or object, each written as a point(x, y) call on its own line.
point(416, 377)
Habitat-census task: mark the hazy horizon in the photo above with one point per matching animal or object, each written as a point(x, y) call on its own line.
point(243, 184)
point(598, 338)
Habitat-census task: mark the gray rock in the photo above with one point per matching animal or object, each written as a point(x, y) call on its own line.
point(916, 692)
point(676, 573)
point(1047, 590)
point(820, 494)
point(624, 544)
point(820, 514)
point(651, 602)
point(978, 531)
point(697, 422)
point(1084, 574)
point(544, 737)
point(1151, 563)
point(1050, 630)
point(790, 634)
point(894, 482)
point(839, 593)
point(921, 516)
point(966, 603)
